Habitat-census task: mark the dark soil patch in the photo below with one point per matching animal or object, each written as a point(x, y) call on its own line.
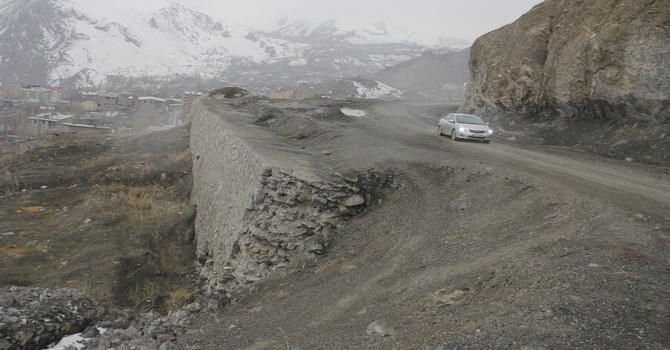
point(109, 216)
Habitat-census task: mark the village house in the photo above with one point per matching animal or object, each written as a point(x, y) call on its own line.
point(150, 106)
point(189, 97)
point(35, 93)
point(127, 101)
point(56, 92)
point(284, 94)
point(72, 128)
point(90, 118)
point(40, 93)
point(175, 111)
point(45, 123)
point(10, 91)
point(89, 96)
point(108, 100)
point(86, 106)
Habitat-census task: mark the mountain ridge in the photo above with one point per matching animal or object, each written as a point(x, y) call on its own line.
point(76, 43)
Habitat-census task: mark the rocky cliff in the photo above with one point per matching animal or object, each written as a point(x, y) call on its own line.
point(594, 75)
point(602, 60)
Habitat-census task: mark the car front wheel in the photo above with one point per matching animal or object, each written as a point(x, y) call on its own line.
point(453, 135)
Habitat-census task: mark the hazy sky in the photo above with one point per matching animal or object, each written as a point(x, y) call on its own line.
point(465, 19)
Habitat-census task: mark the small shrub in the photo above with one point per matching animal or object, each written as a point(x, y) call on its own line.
point(9, 182)
point(177, 297)
point(145, 204)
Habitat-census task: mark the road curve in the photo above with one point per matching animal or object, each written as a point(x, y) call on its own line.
point(628, 184)
point(587, 173)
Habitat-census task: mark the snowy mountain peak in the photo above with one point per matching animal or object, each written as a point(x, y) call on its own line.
point(355, 32)
point(83, 42)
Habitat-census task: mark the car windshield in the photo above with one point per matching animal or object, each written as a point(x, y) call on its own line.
point(469, 119)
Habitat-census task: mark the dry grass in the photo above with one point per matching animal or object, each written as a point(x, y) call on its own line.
point(9, 182)
point(282, 295)
point(120, 194)
point(288, 344)
point(83, 285)
point(158, 295)
point(35, 209)
point(143, 296)
point(177, 297)
point(167, 249)
point(7, 160)
point(102, 295)
point(145, 204)
point(632, 254)
point(14, 251)
point(184, 156)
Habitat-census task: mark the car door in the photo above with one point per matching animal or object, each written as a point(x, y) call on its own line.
point(448, 123)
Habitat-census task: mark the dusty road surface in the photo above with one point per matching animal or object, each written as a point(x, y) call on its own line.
point(469, 246)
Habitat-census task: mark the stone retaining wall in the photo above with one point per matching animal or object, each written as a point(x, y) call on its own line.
point(32, 318)
point(258, 207)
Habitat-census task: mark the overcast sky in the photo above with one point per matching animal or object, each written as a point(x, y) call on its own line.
point(464, 19)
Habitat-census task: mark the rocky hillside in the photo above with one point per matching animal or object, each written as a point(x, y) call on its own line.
point(440, 76)
point(603, 59)
point(604, 63)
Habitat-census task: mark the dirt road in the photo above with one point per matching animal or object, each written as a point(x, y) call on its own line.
point(478, 246)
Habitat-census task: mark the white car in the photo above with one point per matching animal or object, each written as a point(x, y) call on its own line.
point(464, 127)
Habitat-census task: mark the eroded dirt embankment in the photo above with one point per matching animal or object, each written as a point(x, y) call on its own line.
point(261, 205)
point(460, 245)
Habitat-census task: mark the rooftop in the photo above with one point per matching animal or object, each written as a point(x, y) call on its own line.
point(52, 117)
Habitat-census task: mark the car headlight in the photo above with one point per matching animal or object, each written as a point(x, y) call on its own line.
point(489, 131)
point(462, 129)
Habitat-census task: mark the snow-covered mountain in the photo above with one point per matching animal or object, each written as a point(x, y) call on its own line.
point(357, 87)
point(82, 42)
point(89, 40)
point(356, 32)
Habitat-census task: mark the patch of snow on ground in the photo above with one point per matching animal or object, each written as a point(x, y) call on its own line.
point(298, 62)
point(380, 91)
point(153, 128)
point(353, 112)
point(71, 341)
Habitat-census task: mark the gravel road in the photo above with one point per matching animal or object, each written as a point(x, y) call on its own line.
point(477, 246)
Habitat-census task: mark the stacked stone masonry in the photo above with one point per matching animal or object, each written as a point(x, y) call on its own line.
point(32, 318)
point(253, 215)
